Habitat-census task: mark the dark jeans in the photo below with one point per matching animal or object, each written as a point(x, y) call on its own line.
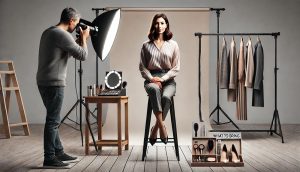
point(52, 98)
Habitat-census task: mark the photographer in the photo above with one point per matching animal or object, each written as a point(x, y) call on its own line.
point(56, 46)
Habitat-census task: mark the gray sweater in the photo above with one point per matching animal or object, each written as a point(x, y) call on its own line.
point(56, 46)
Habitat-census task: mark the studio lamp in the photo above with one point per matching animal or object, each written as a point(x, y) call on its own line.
point(103, 31)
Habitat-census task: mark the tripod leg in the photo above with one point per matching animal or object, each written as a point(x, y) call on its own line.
point(271, 127)
point(89, 125)
point(279, 126)
point(229, 119)
point(66, 116)
point(213, 111)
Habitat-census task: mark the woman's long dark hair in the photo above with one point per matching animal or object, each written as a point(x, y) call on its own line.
point(153, 35)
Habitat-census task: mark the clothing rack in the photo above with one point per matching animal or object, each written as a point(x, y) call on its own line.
point(275, 126)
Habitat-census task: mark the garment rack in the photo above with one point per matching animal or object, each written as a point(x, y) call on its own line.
point(275, 126)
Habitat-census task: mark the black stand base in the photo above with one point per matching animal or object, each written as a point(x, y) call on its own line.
point(274, 128)
point(218, 108)
point(79, 102)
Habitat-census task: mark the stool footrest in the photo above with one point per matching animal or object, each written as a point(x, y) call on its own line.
point(109, 143)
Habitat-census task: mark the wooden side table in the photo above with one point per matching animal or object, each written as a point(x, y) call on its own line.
point(119, 100)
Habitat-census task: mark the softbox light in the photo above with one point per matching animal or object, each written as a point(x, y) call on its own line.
point(103, 31)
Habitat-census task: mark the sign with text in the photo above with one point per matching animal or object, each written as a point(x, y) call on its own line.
point(227, 135)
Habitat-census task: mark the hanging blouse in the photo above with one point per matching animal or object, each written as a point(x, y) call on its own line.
point(232, 86)
point(258, 88)
point(223, 68)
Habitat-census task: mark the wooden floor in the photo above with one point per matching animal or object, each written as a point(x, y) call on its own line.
point(261, 152)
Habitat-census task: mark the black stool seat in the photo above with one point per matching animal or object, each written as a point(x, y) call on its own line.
point(147, 127)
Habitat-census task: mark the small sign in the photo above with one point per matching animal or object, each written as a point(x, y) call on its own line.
point(227, 135)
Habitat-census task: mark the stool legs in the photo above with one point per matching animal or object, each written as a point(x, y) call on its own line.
point(174, 128)
point(147, 127)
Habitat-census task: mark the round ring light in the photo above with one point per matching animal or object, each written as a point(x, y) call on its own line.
point(113, 79)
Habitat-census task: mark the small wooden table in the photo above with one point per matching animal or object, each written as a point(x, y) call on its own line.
point(119, 100)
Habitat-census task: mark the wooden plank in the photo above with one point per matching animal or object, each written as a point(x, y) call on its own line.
point(151, 159)
point(273, 155)
point(135, 156)
point(184, 165)
point(83, 163)
point(121, 161)
point(172, 159)
point(269, 163)
point(99, 160)
point(162, 159)
point(109, 162)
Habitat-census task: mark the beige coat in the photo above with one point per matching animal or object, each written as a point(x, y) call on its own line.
point(249, 65)
point(241, 103)
point(231, 93)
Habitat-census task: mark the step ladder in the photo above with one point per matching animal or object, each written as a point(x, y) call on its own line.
point(8, 84)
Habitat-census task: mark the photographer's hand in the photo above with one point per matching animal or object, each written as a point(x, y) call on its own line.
point(84, 35)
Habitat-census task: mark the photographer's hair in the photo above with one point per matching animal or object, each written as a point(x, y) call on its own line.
point(153, 35)
point(68, 14)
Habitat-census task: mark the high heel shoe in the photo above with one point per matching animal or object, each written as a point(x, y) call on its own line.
point(164, 140)
point(224, 155)
point(152, 140)
point(235, 155)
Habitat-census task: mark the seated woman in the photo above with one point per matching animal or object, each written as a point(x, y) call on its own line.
point(159, 65)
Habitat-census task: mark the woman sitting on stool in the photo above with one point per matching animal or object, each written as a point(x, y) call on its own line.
point(160, 63)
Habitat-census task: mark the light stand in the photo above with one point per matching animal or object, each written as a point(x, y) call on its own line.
point(79, 102)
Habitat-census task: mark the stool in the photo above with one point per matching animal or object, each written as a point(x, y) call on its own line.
point(173, 121)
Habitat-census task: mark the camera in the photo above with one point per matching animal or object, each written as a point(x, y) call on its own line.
point(84, 24)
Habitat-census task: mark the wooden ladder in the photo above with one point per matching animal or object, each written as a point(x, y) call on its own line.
point(10, 77)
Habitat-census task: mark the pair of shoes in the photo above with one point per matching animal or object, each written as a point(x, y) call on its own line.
point(55, 163)
point(66, 157)
point(164, 140)
point(231, 156)
point(152, 140)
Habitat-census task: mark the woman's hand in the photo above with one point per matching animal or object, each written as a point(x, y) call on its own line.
point(157, 81)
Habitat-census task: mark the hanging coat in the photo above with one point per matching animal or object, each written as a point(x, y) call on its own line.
point(249, 65)
point(241, 103)
point(258, 87)
point(232, 86)
point(223, 67)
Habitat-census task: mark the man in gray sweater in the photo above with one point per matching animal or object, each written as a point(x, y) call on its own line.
point(56, 46)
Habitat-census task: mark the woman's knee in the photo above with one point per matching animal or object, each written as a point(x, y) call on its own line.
point(152, 88)
point(166, 98)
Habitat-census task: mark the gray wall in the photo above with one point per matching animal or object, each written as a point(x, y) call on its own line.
point(22, 23)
